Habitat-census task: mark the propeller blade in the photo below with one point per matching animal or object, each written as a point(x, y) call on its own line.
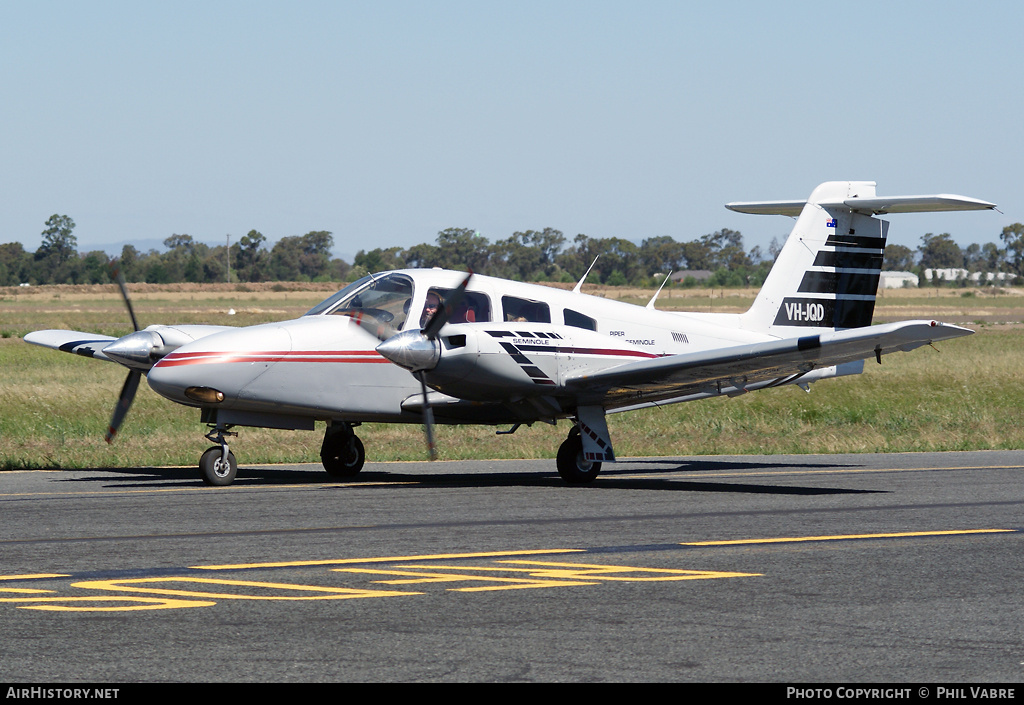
point(442, 315)
point(428, 418)
point(124, 402)
point(418, 351)
point(115, 266)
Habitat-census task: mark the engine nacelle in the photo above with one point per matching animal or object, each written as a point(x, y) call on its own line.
point(485, 362)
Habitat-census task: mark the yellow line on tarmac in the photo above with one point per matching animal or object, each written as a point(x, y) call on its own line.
point(386, 559)
point(797, 539)
point(33, 576)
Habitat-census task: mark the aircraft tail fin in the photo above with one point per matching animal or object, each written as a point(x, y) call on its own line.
point(826, 276)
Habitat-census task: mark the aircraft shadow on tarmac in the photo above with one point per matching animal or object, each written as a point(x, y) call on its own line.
point(611, 478)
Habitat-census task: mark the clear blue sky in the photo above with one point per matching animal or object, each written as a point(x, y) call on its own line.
point(385, 122)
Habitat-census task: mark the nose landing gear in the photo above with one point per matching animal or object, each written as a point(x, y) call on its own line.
point(218, 466)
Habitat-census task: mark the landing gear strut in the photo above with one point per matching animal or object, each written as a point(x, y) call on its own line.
point(218, 466)
point(572, 466)
point(342, 452)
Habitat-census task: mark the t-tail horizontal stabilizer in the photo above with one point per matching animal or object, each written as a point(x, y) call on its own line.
point(826, 276)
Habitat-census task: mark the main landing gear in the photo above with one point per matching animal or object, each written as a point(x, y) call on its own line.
point(342, 454)
point(572, 466)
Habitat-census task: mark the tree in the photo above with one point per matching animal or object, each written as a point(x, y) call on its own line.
point(528, 255)
point(59, 243)
point(129, 262)
point(898, 258)
point(661, 254)
point(379, 260)
point(250, 257)
point(1013, 236)
point(940, 252)
point(15, 264)
point(184, 259)
point(992, 257)
point(422, 255)
point(463, 248)
point(613, 254)
point(722, 248)
point(94, 268)
point(284, 259)
point(316, 253)
point(180, 242)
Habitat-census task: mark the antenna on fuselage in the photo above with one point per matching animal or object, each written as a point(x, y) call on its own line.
point(650, 304)
point(576, 289)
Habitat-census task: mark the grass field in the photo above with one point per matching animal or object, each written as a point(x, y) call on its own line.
point(968, 396)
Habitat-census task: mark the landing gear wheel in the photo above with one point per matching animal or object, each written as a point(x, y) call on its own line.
point(572, 466)
point(213, 468)
point(342, 455)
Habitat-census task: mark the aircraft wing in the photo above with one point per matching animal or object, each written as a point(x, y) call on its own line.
point(72, 341)
point(139, 349)
point(756, 365)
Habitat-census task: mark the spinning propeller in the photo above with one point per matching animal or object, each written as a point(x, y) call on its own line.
point(419, 352)
point(137, 351)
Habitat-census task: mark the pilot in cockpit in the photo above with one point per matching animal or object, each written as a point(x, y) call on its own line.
point(431, 306)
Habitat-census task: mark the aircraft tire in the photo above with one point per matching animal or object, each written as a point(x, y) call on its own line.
point(342, 456)
point(213, 469)
point(573, 468)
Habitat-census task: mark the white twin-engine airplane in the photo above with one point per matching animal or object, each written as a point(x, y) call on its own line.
point(507, 353)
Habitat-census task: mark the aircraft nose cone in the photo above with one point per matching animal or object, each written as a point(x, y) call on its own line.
point(225, 362)
point(411, 350)
point(139, 349)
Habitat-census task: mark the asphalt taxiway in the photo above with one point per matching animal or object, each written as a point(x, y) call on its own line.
point(839, 568)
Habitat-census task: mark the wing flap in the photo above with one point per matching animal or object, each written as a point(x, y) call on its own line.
point(743, 365)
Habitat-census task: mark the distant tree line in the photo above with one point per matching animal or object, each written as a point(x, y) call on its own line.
point(942, 252)
point(531, 255)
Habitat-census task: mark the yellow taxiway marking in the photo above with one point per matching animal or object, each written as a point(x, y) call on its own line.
point(542, 574)
point(321, 593)
point(507, 570)
point(616, 572)
point(75, 604)
point(846, 537)
point(387, 559)
point(414, 577)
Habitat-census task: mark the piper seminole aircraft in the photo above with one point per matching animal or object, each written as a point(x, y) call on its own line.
point(433, 346)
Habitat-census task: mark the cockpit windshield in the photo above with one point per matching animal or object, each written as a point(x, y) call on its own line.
point(386, 298)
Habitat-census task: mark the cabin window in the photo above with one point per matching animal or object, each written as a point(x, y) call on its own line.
point(474, 307)
point(578, 320)
point(333, 299)
point(384, 298)
point(525, 310)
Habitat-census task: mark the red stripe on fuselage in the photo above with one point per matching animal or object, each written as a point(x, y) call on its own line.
point(216, 357)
